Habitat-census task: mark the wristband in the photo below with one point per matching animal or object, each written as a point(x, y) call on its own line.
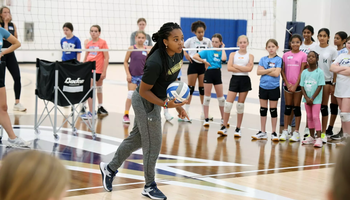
point(312, 98)
point(165, 104)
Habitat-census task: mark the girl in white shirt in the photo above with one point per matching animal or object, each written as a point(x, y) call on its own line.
point(327, 55)
point(309, 42)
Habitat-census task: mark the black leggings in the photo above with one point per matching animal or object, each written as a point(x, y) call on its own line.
point(12, 66)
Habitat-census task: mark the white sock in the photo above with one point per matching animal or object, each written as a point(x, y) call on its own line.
point(166, 110)
point(99, 105)
point(187, 107)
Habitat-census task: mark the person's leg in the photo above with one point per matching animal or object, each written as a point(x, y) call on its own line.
point(345, 115)
point(191, 80)
point(5, 119)
point(221, 98)
point(99, 84)
point(12, 66)
point(297, 109)
point(273, 112)
point(309, 117)
point(324, 106)
point(240, 108)
point(201, 87)
point(288, 97)
point(231, 96)
point(316, 108)
point(207, 97)
point(334, 113)
point(131, 89)
point(263, 114)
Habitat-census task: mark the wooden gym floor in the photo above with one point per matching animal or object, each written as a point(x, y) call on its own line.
point(194, 163)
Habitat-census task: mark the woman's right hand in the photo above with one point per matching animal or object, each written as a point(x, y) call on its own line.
point(128, 78)
point(188, 57)
point(172, 104)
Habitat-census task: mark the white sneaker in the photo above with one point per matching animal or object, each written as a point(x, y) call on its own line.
point(19, 107)
point(284, 136)
point(206, 123)
point(168, 117)
point(223, 131)
point(295, 137)
point(222, 123)
point(211, 118)
point(324, 138)
point(238, 132)
point(185, 119)
point(306, 131)
point(274, 136)
point(260, 136)
point(18, 142)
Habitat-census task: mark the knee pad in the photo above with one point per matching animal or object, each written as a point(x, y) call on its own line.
point(240, 108)
point(130, 92)
point(273, 112)
point(334, 109)
point(99, 89)
point(297, 111)
point(221, 101)
point(324, 110)
point(288, 110)
point(206, 100)
point(201, 90)
point(191, 89)
point(263, 112)
point(228, 107)
point(345, 117)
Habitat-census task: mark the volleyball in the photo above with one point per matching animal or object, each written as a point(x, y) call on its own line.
point(178, 90)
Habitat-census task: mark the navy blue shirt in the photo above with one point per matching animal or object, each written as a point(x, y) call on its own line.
point(269, 82)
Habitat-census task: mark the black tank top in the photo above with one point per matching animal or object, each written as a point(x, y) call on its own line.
point(11, 29)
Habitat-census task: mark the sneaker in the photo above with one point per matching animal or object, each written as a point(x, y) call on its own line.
point(338, 136)
point(318, 143)
point(238, 132)
point(274, 136)
point(107, 176)
point(18, 142)
point(206, 122)
point(295, 137)
point(102, 111)
point(223, 131)
point(222, 123)
point(306, 136)
point(260, 136)
point(324, 137)
point(308, 140)
point(211, 118)
point(284, 136)
point(88, 115)
point(19, 107)
point(184, 119)
point(307, 131)
point(168, 116)
point(329, 133)
point(126, 119)
point(153, 192)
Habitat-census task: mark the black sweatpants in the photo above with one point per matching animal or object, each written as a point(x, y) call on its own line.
point(12, 66)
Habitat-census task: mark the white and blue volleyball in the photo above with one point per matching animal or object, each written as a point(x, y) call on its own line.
point(178, 90)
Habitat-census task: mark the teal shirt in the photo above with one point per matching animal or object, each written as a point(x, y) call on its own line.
point(213, 57)
point(310, 81)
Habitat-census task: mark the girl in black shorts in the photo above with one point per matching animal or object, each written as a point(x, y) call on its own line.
point(240, 63)
point(213, 75)
point(196, 68)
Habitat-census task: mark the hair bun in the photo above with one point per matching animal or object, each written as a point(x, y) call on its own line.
point(155, 37)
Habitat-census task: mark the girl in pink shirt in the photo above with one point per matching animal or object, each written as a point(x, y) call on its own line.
point(101, 58)
point(294, 63)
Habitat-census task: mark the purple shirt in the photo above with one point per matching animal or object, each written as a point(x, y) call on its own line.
point(137, 62)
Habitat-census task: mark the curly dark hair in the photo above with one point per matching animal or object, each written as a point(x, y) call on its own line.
point(197, 24)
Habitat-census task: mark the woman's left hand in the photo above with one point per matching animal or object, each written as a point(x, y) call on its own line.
point(103, 76)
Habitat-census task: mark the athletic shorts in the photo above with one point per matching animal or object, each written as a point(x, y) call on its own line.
point(213, 76)
point(2, 74)
point(296, 90)
point(328, 83)
point(240, 84)
point(98, 76)
point(196, 68)
point(136, 80)
point(272, 95)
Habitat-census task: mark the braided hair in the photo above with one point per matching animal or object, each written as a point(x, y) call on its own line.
point(158, 37)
